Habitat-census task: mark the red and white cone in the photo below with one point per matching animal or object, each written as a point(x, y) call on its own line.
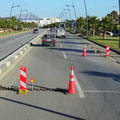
point(71, 88)
point(84, 51)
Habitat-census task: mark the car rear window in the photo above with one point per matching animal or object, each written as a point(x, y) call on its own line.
point(48, 36)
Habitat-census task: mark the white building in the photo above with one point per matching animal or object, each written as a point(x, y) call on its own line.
point(46, 21)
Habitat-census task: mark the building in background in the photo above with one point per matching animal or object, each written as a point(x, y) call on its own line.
point(47, 21)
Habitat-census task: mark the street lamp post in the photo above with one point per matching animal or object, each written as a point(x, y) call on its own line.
point(11, 15)
point(69, 12)
point(86, 18)
point(26, 16)
point(65, 14)
point(20, 15)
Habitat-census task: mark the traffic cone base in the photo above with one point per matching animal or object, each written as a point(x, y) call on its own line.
point(72, 89)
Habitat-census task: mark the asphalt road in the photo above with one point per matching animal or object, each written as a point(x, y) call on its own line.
point(97, 83)
point(11, 43)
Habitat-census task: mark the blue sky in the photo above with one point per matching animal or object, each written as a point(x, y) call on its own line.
point(52, 8)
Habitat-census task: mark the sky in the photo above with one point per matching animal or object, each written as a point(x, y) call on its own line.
point(52, 8)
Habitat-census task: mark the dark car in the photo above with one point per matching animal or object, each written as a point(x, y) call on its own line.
point(49, 39)
point(35, 30)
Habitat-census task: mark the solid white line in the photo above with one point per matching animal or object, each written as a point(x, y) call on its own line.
point(65, 56)
point(80, 91)
point(101, 91)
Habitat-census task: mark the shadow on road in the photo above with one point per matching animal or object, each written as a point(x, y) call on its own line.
point(41, 88)
point(41, 108)
point(71, 50)
point(103, 74)
point(73, 43)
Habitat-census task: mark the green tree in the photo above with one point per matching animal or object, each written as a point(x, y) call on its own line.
point(106, 25)
point(93, 23)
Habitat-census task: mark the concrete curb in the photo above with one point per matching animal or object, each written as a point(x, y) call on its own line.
point(10, 60)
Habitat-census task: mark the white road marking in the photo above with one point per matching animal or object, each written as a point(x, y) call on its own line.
point(101, 91)
point(80, 91)
point(65, 56)
point(9, 42)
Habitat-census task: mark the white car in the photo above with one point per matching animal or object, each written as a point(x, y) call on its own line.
point(60, 33)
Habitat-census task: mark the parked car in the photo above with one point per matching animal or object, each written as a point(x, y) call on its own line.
point(35, 30)
point(107, 33)
point(60, 33)
point(49, 39)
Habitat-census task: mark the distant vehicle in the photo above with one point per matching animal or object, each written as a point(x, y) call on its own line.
point(35, 30)
point(62, 26)
point(60, 33)
point(107, 33)
point(49, 39)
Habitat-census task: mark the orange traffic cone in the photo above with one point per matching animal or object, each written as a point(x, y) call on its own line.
point(84, 50)
point(71, 88)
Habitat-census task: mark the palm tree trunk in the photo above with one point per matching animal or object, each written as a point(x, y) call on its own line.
point(93, 31)
point(104, 35)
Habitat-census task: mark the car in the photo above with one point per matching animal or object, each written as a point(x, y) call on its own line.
point(35, 30)
point(48, 39)
point(60, 33)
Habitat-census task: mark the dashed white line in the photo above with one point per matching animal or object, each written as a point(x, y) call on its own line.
point(9, 42)
point(80, 91)
point(65, 56)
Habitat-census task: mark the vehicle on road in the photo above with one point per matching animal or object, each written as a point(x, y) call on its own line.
point(35, 30)
point(49, 39)
point(62, 26)
point(60, 33)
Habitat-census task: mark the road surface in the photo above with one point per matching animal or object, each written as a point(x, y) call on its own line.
point(97, 84)
point(11, 43)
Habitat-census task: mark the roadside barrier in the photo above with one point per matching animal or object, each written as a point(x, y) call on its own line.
point(71, 88)
point(107, 51)
point(23, 81)
point(84, 50)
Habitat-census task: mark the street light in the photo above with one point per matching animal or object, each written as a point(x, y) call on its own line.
point(11, 15)
point(86, 18)
point(73, 10)
point(69, 11)
point(65, 14)
point(21, 14)
point(26, 16)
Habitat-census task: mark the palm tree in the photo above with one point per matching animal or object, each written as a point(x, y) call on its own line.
point(107, 25)
point(81, 24)
point(93, 23)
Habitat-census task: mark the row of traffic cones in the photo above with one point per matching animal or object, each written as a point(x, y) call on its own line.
point(107, 51)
